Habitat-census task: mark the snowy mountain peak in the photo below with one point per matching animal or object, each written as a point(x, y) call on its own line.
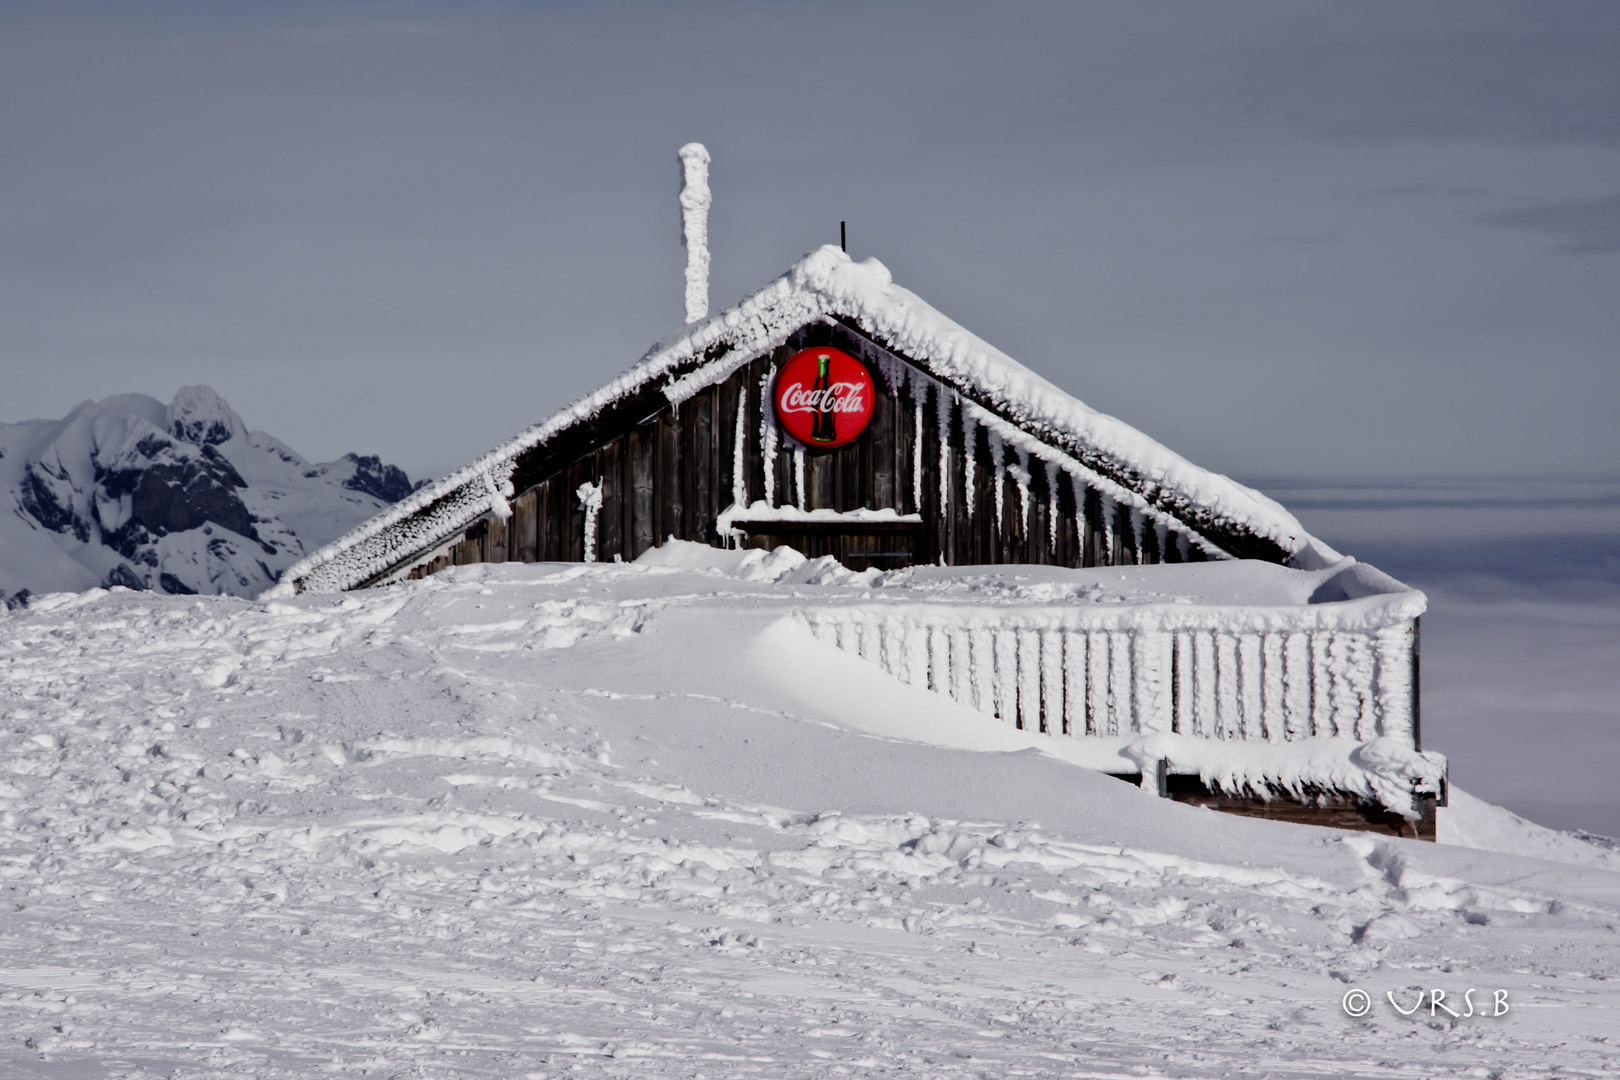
point(368, 473)
point(198, 415)
point(182, 498)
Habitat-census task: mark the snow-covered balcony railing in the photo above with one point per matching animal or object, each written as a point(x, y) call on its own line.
point(1248, 674)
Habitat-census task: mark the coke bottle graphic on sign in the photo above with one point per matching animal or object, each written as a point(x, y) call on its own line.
point(825, 428)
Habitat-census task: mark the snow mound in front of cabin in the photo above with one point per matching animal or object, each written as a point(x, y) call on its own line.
point(585, 820)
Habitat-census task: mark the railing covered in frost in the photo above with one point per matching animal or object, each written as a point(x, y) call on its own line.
point(1231, 672)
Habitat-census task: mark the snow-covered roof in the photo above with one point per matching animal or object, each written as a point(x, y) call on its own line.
point(827, 284)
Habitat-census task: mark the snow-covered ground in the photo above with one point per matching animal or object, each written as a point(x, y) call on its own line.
point(636, 821)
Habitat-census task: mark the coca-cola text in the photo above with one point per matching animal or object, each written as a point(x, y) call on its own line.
point(844, 397)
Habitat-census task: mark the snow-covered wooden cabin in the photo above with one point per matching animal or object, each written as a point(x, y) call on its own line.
point(966, 457)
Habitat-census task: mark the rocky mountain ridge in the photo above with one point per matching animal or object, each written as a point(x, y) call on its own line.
point(179, 498)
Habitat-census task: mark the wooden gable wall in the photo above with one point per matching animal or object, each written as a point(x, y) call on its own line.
point(670, 473)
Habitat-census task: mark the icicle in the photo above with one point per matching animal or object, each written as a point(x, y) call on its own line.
point(1136, 534)
point(970, 434)
point(798, 477)
point(1021, 475)
point(916, 455)
point(1051, 506)
point(590, 500)
point(1107, 530)
point(894, 373)
point(944, 404)
point(767, 436)
point(1078, 489)
point(998, 462)
point(739, 455)
point(1162, 532)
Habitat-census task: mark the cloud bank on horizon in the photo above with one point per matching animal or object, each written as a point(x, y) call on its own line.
point(1283, 239)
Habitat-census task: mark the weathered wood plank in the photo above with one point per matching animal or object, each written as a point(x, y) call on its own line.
point(1038, 550)
point(627, 499)
point(495, 547)
point(821, 477)
point(749, 399)
point(1014, 521)
point(787, 493)
point(1068, 546)
point(1092, 510)
point(725, 445)
point(928, 457)
point(669, 507)
point(1122, 542)
point(525, 516)
point(699, 467)
point(880, 467)
point(643, 495)
point(847, 463)
point(905, 435)
point(554, 524)
point(1150, 544)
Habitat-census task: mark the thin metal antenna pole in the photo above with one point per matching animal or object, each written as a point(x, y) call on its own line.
point(843, 237)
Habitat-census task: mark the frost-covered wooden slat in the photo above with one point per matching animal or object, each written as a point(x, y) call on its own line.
point(1074, 683)
point(1097, 682)
point(1052, 679)
point(1183, 720)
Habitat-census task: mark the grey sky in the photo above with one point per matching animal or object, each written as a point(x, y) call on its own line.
point(1281, 238)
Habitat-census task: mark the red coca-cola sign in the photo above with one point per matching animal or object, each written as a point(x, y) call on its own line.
point(824, 397)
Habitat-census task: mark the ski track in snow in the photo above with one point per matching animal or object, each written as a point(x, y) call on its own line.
point(423, 831)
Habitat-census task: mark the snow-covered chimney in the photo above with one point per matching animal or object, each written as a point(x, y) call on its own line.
point(695, 227)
